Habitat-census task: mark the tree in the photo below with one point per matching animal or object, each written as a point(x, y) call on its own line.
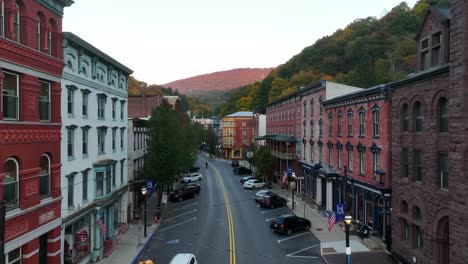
point(264, 162)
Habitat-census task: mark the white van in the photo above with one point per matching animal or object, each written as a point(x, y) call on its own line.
point(184, 258)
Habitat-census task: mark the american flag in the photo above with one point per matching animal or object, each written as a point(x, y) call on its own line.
point(331, 220)
point(102, 227)
point(285, 177)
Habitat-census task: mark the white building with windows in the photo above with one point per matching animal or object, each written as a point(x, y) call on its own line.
point(93, 151)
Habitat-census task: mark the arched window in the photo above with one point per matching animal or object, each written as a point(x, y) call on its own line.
point(443, 115)
point(11, 183)
point(320, 128)
point(404, 208)
point(404, 118)
point(312, 107)
point(44, 176)
point(362, 122)
point(50, 37)
point(2, 18)
point(16, 24)
point(340, 124)
point(418, 117)
point(330, 124)
point(39, 32)
point(305, 108)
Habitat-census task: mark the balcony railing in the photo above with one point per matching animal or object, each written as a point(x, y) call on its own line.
point(284, 156)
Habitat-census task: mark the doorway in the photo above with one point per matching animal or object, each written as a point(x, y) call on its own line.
point(43, 249)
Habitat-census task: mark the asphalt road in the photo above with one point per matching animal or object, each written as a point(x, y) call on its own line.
point(225, 225)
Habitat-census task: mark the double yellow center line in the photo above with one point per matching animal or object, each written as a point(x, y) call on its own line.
point(232, 240)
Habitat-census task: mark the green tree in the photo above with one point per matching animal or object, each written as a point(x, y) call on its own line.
point(263, 163)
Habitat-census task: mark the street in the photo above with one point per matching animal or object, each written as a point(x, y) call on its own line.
point(225, 225)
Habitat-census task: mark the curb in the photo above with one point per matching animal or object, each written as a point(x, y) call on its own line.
point(137, 257)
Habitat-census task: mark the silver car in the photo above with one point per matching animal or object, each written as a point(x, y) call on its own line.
point(261, 194)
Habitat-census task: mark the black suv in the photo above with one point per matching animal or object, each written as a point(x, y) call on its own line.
point(289, 223)
point(272, 201)
point(241, 171)
point(185, 192)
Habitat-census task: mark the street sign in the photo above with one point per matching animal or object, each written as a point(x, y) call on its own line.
point(250, 154)
point(340, 212)
point(300, 178)
point(149, 186)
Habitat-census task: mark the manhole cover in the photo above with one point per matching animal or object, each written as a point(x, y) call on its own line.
point(318, 229)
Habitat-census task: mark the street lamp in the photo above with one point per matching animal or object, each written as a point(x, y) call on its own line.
point(144, 191)
point(348, 219)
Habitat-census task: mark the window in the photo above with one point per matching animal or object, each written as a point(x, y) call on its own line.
point(122, 162)
point(405, 230)
point(108, 179)
point(376, 165)
point(311, 128)
point(340, 124)
point(435, 59)
point(2, 19)
point(114, 105)
point(85, 185)
point(122, 107)
point(444, 172)
point(44, 176)
point(320, 128)
point(330, 155)
point(405, 168)
point(340, 158)
point(419, 238)
point(362, 120)
point(70, 141)
point(99, 184)
point(350, 124)
point(404, 118)
point(17, 25)
point(70, 101)
point(122, 136)
point(305, 108)
point(101, 105)
point(101, 140)
point(114, 135)
point(14, 256)
point(71, 179)
point(113, 174)
point(50, 40)
point(361, 161)
point(10, 95)
point(39, 33)
point(84, 135)
point(84, 103)
point(320, 152)
point(44, 101)
point(376, 119)
point(11, 183)
point(305, 129)
point(443, 115)
point(350, 159)
point(330, 124)
point(418, 165)
point(418, 117)
point(312, 107)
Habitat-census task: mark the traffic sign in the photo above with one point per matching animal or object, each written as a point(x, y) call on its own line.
point(250, 154)
point(149, 186)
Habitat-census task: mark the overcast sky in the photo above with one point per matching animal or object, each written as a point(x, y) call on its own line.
point(163, 41)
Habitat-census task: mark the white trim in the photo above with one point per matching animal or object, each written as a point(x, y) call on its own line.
point(18, 212)
point(6, 65)
point(18, 242)
point(54, 240)
point(26, 256)
point(54, 254)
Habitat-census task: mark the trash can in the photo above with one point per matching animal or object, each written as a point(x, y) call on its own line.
point(364, 231)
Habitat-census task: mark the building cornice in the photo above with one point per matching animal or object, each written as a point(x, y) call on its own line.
point(82, 81)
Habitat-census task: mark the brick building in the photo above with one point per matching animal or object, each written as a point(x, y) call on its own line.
point(237, 131)
point(429, 144)
point(30, 120)
point(357, 139)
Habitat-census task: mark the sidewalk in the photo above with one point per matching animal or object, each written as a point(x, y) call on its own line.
point(130, 243)
point(331, 242)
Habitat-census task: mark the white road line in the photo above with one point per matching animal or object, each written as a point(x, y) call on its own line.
point(272, 210)
point(269, 219)
point(189, 212)
point(284, 239)
point(290, 255)
point(177, 224)
point(183, 207)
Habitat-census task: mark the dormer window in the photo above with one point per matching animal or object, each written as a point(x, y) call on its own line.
point(435, 46)
point(424, 60)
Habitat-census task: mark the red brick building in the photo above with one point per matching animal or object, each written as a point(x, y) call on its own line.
point(357, 139)
point(30, 121)
point(237, 131)
point(429, 144)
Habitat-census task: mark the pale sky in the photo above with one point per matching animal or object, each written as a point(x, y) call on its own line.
point(163, 41)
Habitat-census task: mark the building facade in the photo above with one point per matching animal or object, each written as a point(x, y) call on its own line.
point(356, 152)
point(30, 69)
point(237, 132)
point(429, 144)
point(94, 151)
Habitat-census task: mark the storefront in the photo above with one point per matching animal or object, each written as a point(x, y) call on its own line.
point(77, 238)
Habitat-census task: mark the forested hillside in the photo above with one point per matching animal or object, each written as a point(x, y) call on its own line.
point(367, 52)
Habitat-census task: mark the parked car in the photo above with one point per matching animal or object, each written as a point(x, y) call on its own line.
point(272, 201)
point(253, 183)
point(184, 258)
point(244, 179)
point(241, 171)
point(261, 194)
point(192, 169)
point(185, 192)
point(192, 177)
point(234, 163)
point(289, 223)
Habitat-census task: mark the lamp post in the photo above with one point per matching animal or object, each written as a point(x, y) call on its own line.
point(348, 219)
point(144, 191)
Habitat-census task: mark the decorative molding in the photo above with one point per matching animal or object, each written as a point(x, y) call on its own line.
point(361, 147)
point(100, 87)
point(349, 146)
point(374, 148)
point(14, 136)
